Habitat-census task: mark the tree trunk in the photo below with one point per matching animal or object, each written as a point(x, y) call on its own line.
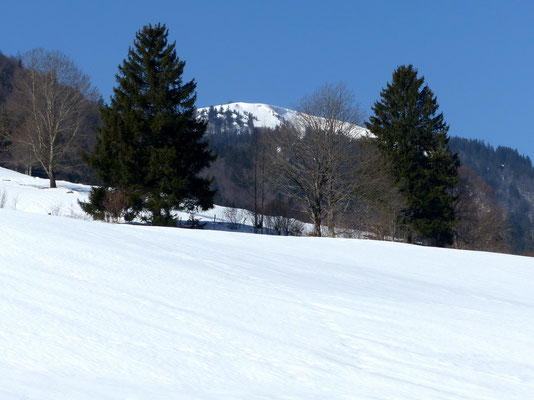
point(317, 226)
point(52, 176)
point(331, 225)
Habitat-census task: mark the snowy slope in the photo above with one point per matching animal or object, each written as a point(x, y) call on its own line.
point(31, 194)
point(26, 193)
point(90, 310)
point(263, 115)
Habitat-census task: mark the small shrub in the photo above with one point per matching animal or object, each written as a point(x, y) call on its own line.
point(193, 222)
point(109, 205)
point(115, 203)
point(234, 218)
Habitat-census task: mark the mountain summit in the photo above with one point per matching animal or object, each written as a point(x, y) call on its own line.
point(262, 115)
point(243, 117)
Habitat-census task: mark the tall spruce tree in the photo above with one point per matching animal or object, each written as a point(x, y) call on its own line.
point(413, 136)
point(151, 146)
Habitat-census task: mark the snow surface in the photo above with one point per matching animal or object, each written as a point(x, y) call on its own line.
point(90, 310)
point(25, 193)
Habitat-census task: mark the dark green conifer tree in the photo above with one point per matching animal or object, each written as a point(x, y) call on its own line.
point(413, 136)
point(151, 146)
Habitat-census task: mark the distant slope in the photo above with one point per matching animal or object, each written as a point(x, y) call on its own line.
point(99, 311)
point(243, 117)
point(262, 115)
point(237, 118)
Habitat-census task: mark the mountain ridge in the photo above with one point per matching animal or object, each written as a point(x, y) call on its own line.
point(243, 117)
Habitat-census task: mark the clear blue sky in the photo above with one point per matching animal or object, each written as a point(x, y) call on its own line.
point(477, 56)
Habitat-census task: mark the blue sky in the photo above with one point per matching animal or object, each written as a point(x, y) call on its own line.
point(477, 56)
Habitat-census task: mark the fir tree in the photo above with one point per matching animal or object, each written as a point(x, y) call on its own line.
point(413, 136)
point(151, 146)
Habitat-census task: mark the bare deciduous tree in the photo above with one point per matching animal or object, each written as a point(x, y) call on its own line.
point(312, 158)
point(377, 202)
point(50, 104)
point(234, 217)
point(252, 178)
point(279, 219)
point(482, 224)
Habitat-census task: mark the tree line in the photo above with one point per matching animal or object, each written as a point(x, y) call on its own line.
point(152, 155)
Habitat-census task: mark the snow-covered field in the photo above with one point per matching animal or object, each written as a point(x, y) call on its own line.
point(90, 310)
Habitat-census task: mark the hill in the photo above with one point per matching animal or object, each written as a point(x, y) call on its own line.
point(232, 128)
point(243, 117)
point(239, 118)
point(94, 310)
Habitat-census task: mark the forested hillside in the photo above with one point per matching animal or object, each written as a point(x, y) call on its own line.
point(7, 69)
point(507, 178)
point(511, 176)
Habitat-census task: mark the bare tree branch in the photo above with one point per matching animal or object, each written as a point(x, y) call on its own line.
point(312, 159)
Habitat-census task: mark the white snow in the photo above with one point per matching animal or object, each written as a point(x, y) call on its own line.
point(26, 193)
point(90, 310)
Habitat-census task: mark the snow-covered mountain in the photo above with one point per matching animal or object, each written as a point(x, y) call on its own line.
point(262, 115)
point(242, 117)
point(90, 310)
